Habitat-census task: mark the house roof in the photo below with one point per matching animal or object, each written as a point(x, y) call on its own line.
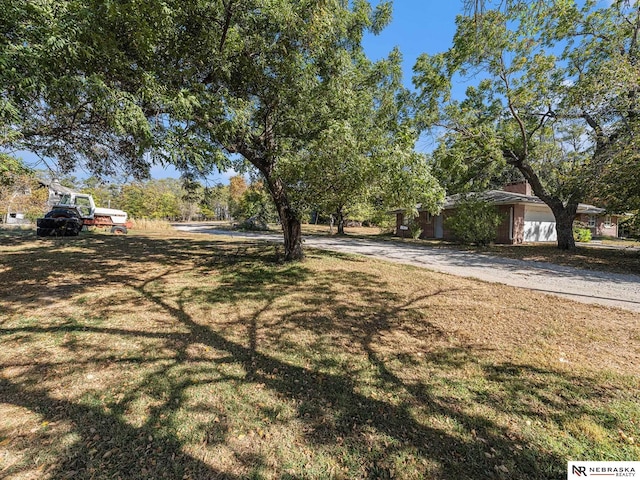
point(500, 197)
point(496, 197)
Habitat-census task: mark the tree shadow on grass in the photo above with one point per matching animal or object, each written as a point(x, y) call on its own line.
point(355, 415)
point(338, 411)
point(105, 445)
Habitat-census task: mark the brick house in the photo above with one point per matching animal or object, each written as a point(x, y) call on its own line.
point(526, 217)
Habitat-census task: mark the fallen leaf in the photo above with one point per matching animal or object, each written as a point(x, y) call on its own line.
point(109, 453)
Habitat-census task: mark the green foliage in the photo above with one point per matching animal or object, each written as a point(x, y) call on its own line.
point(237, 188)
point(199, 85)
point(630, 226)
point(156, 200)
point(215, 202)
point(474, 221)
point(414, 230)
point(554, 101)
point(19, 189)
point(106, 195)
point(33, 205)
point(362, 162)
point(255, 207)
point(10, 169)
point(618, 187)
point(581, 234)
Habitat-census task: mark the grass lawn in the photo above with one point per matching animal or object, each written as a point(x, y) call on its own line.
point(624, 259)
point(183, 356)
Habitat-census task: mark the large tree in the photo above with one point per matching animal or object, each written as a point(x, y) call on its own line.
point(364, 159)
point(191, 83)
point(71, 86)
point(265, 81)
point(557, 99)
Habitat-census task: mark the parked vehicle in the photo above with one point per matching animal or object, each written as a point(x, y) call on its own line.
point(78, 210)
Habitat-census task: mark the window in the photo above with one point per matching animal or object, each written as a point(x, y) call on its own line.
point(84, 206)
point(83, 202)
point(427, 217)
point(607, 221)
point(591, 223)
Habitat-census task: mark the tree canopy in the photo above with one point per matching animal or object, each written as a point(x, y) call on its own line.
point(194, 84)
point(556, 99)
point(364, 159)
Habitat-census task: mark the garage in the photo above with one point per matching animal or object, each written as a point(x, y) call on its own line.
point(539, 224)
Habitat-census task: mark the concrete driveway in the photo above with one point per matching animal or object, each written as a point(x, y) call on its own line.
point(610, 289)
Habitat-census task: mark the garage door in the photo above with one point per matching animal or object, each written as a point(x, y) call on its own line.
point(539, 225)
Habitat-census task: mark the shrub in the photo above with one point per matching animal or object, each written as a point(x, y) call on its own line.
point(581, 233)
point(475, 221)
point(414, 230)
point(254, 223)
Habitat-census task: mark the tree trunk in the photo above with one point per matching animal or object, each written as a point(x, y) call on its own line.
point(340, 217)
point(292, 236)
point(564, 227)
point(289, 220)
point(564, 214)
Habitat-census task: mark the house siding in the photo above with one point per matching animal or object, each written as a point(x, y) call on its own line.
point(426, 223)
point(508, 232)
point(504, 230)
point(601, 229)
point(518, 224)
point(611, 230)
point(522, 215)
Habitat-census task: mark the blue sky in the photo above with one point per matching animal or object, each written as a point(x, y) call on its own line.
point(417, 26)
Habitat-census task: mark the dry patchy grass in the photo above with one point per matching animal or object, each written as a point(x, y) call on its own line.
point(620, 260)
point(624, 260)
point(168, 355)
point(321, 229)
point(146, 224)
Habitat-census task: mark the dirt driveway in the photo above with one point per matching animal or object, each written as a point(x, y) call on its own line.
point(610, 289)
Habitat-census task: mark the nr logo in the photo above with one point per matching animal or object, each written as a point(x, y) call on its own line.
point(579, 471)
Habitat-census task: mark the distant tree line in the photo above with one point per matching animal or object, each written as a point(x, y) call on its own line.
point(21, 190)
point(166, 199)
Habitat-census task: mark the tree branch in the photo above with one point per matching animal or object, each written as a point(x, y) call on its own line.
point(228, 14)
point(523, 131)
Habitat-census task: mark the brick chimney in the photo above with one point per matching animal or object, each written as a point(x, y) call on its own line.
point(522, 187)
